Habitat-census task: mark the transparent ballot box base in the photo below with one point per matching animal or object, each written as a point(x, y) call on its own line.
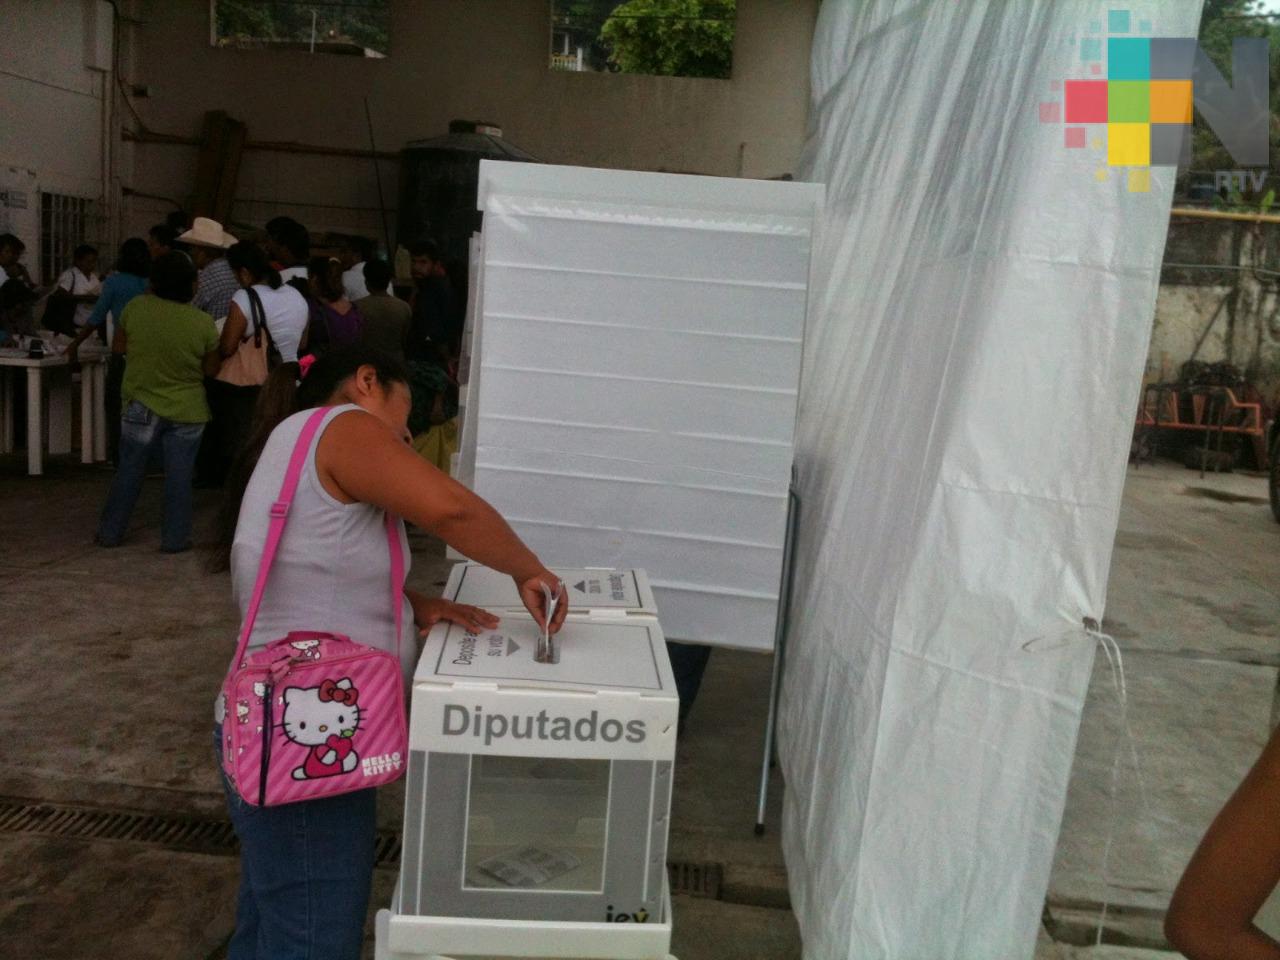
point(572, 839)
point(537, 823)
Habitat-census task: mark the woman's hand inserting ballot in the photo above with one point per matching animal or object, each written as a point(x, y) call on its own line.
point(535, 601)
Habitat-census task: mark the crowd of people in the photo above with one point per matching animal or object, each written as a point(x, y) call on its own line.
point(197, 321)
point(240, 363)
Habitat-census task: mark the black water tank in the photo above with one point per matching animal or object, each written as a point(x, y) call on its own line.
point(439, 179)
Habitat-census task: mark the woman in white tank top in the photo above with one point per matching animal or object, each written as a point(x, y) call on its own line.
point(284, 309)
point(307, 867)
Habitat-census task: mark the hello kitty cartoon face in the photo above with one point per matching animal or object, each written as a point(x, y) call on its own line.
point(325, 719)
point(307, 649)
point(260, 691)
point(242, 711)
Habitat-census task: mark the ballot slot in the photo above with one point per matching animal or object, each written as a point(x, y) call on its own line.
point(593, 655)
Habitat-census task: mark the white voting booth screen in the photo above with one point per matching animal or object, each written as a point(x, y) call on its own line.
point(636, 344)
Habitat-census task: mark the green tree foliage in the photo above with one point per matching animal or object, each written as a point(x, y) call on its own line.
point(686, 38)
point(247, 22)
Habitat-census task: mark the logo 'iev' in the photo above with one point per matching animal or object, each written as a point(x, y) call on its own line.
point(640, 916)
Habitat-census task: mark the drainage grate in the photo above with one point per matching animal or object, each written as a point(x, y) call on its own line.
point(175, 832)
point(195, 834)
point(696, 879)
point(207, 835)
point(387, 850)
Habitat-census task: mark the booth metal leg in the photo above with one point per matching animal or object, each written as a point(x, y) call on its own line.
point(779, 653)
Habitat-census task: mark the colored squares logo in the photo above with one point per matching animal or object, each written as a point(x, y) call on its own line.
point(1128, 144)
point(1128, 101)
point(1086, 101)
point(1143, 96)
point(1128, 58)
point(1171, 101)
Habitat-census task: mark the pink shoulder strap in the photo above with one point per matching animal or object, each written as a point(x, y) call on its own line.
point(275, 530)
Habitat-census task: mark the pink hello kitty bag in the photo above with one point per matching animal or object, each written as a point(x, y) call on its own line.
point(312, 714)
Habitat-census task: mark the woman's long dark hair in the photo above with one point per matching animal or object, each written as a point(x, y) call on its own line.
point(249, 256)
point(325, 274)
point(281, 396)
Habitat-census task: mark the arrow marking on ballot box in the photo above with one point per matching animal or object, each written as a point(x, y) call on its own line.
point(581, 586)
point(512, 647)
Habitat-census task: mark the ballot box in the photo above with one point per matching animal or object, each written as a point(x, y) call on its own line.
point(537, 794)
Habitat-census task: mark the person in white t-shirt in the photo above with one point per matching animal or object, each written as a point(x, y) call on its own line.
point(285, 309)
point(355, 251)
point(80, 281)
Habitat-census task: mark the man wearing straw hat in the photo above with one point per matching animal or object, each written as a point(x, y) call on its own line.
point(208, 242)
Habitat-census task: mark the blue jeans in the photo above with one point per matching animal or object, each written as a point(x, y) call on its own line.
point(305, 873)
point(141, 432)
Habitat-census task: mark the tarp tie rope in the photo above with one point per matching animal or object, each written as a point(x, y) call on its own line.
point(1119, 683)
point(1115, 661)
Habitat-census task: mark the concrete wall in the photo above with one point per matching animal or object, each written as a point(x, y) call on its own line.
point(1210, 309)
point(474, 59)
point(1182, 317)
point(52, 118)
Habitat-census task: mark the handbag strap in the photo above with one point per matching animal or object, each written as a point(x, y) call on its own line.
point(258, 316)
point(275, 530)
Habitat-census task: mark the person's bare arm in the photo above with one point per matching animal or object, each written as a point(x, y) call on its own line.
point(119, 342)
point(212, 363)
point(232, 331)
point(365, 462)
point(1232, 873)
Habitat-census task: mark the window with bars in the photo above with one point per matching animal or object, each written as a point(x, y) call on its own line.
point(65, 223)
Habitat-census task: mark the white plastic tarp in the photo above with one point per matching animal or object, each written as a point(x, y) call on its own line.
point(639, 343)
point(979, 317)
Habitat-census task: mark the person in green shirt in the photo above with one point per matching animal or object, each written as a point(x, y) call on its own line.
point(172, 347)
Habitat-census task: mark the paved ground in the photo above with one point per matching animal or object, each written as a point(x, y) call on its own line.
point(1194, 602)
point(116, 656)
